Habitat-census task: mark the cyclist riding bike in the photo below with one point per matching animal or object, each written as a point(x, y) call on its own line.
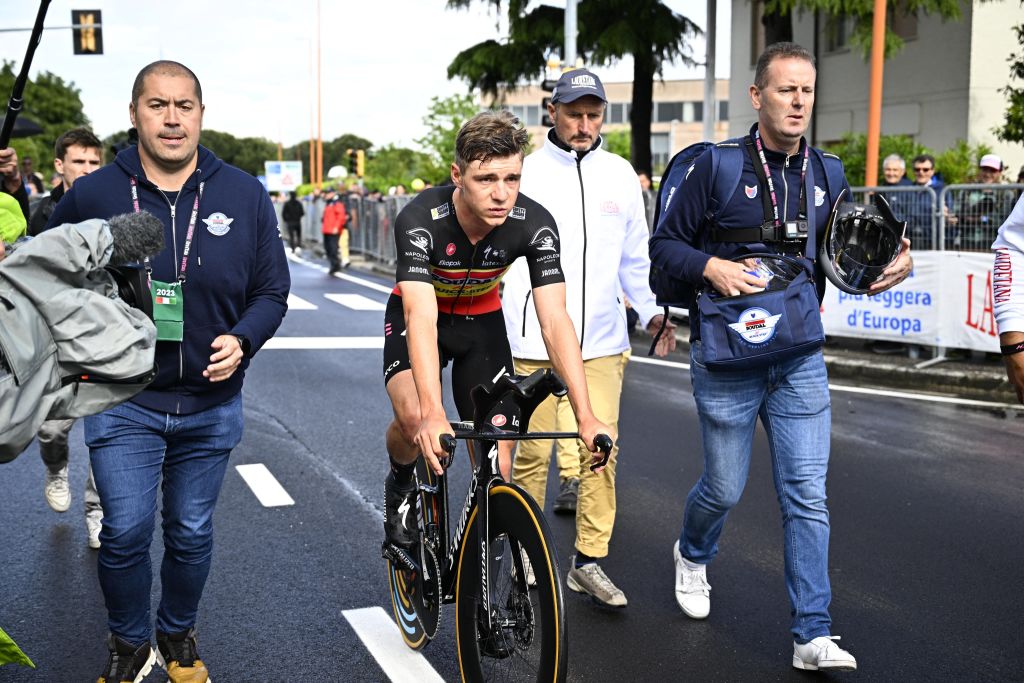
point(453, 245)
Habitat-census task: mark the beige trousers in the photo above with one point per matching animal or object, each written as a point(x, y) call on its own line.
point(595, 506)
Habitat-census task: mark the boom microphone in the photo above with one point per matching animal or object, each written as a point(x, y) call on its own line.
point(136, 236)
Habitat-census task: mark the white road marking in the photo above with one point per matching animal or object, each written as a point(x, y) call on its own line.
point(365, 283)
point(296, 303)
point(381, 637)
point(927, 398)
point(267, 489)
point(356, 302)
point(322, 343)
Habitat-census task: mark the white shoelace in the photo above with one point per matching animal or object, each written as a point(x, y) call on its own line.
point(695, 581)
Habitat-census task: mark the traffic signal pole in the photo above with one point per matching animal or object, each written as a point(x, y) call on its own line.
point(569, 59)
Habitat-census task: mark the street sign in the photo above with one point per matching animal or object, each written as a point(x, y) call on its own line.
point(283, 176)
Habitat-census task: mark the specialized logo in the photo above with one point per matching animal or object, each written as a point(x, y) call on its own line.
point(499, 420)
point(439, 212)
point(403, 510)
point(751, 191)
point(450, 249)
point(819, 196)
point(492, 253)
point(609, 208)
point(756, 325)
point(218, 224)
point(518, 213)
point(421, 239)
point(545, 239)
point(688, 172)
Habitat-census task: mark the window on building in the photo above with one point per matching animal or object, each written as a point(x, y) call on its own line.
point(533, 115)
point(756, 31)
point(668, 111)
point(723, 110)
point(903, 21)
point(838, 30)
point(660, 150)
point(618, 112)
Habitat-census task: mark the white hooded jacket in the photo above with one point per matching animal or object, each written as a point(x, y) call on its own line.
point(599, 210)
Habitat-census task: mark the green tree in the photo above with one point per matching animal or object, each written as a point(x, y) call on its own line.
point(617, 142)
point(957, 164)
point(392, 165)
point(1012, 129)
point(443, 119)
point(778, 22)
point(609, 30)
point(50, 102)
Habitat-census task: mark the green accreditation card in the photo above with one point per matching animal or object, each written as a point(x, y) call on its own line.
point(168, 311)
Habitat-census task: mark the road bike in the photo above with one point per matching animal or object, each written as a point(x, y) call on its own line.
point(503, 629)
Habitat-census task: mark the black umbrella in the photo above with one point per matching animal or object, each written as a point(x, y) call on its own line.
point(23, 127)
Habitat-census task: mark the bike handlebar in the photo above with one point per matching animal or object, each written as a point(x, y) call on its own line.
point(603, 442)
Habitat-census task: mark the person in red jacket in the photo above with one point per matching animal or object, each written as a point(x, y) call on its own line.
point(334, 221)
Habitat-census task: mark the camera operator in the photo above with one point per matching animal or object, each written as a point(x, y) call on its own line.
point(220, 291)
point(78, 152)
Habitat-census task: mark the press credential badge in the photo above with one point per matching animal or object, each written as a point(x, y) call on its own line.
point(168, 310)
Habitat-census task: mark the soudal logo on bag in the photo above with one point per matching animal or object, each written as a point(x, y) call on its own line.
point(756, 325)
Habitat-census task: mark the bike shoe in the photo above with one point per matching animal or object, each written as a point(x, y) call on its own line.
point(400, 513)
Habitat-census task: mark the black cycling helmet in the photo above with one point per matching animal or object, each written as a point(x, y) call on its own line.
point(860, 242)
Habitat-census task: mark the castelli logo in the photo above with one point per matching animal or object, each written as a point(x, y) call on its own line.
point(450, 249)
point(499, 420)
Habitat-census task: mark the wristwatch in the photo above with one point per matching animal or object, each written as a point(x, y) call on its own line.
point(244, 344)
point(1011, 349)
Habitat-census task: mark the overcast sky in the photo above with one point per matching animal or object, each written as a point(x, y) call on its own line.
point(382, 60)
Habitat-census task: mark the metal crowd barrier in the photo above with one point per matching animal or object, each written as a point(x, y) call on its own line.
point(968, 220)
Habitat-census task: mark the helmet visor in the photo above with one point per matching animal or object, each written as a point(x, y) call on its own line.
point(861, 244)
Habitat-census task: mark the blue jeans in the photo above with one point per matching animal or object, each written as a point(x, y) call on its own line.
point(792, 401)
point(131, 449)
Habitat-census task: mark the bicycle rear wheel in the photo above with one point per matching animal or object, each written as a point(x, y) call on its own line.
point(415, 599)
point(527, 641)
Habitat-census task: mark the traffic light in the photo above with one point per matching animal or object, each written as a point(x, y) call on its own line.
point(548, 85)
point(352, 161)
point(87, 31)
point(360, 163)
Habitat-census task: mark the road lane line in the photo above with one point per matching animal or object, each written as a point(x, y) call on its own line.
point(289, 343)
point(381, 637)
point(356, 302)
point(267, 489)
point(928, 398)
point(343, 276)
point(296, 303)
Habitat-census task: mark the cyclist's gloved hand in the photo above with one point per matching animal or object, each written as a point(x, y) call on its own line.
point(428, 440)
point(589, 428)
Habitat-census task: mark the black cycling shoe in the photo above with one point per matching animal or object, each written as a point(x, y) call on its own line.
point(400, 513)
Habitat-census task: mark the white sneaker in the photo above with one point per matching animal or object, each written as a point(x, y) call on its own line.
point(823, 654)
point(93, 524)
point(592, 580)
point(693, 592)
point(58, 494)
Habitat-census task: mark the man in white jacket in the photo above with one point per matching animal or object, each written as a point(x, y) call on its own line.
point(1008, 295)
point(596, 200)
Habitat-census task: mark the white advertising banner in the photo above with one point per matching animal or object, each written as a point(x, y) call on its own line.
point(283, 176)
point(947, 301)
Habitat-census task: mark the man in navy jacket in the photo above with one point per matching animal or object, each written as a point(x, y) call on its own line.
point(224, 263)
point(790, 396)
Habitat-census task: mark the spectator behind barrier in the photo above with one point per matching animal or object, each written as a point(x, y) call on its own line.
point(979, 213)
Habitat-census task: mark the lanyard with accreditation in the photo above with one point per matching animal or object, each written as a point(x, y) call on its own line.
point(168, 297)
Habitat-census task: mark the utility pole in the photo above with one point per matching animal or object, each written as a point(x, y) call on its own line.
point(710, 110)
point(569, 59)
point(875, 94)
point(319, 107)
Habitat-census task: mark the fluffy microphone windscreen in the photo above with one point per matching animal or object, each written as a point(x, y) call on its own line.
point(136, 236)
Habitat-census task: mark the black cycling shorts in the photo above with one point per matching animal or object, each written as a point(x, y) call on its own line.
point(476, 345)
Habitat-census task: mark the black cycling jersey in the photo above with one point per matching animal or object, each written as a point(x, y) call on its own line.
point(432, 247)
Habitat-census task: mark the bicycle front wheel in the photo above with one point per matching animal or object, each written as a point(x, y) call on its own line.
point(526, 640)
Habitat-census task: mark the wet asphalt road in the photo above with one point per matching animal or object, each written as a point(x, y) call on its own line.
point(926, 505)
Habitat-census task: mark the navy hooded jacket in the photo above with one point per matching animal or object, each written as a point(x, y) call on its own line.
point(237, 276)
point(682, 246)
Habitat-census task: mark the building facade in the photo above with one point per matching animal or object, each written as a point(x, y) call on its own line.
point(943, 86)
point(676, 121)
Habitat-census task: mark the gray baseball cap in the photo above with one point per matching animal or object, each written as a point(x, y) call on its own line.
point(578, 83)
